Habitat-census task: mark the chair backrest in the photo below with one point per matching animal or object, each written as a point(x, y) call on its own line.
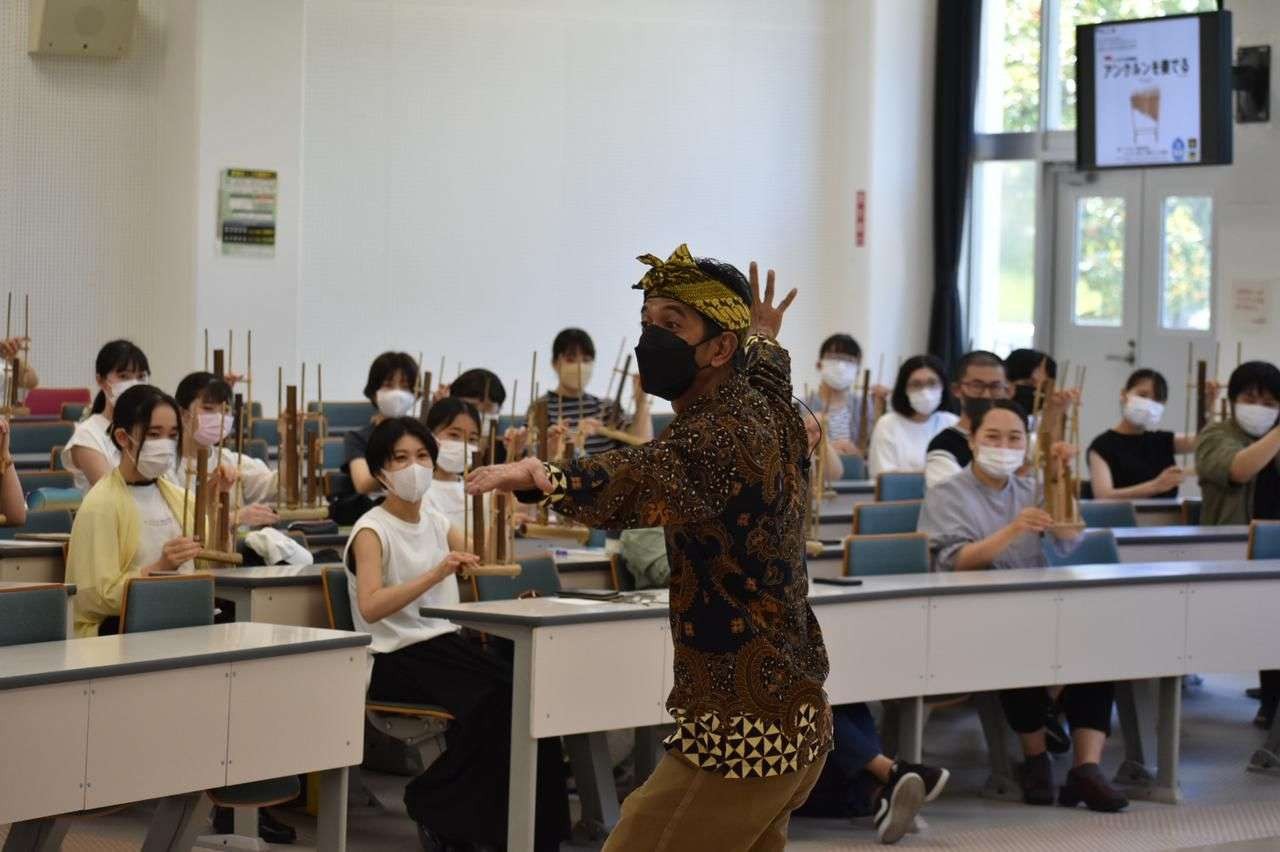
point(343, 416)
point(898, 516)
point(39, 437)
point(33, 614)
point(506, 421)
point(72, 412)
point(1095, 547)
point(265, 430)
point(257, 448)
point(1191, 513)
point(854, 467)
point(43, 499)
point(1108, 513)
point(623, 579)
point(46, 402)
point(337, 598)
point(1264, 540)
point(596, 538)
point(338, 484)
point(661, 422)
point(163, 603)
point(45, 521)
point(334, 453)
point(33, 479)
point(899, 553)
point(900, 486)
point(538, 576)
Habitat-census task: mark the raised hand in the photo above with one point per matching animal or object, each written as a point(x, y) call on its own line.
point(765, 318)
point(524, 475)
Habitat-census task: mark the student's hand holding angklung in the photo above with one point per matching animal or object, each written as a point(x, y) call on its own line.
point(1169, 478)
point(225, 476)
point(439, 393)
point(1031, 520)
point(766, 319)
point(557, 434)
point(176, 553)
point(257, 515)
point(455, 561)
point(525, 475)
point(12, 347)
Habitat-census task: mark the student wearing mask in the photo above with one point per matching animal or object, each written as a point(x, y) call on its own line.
point(839, 361)
point(483, 389)
point(130, 523)
point(392, 391)
point(1027, 370)
point(1238, 462)
point(573, 357)
point(1135, 459)
point(455, 425)
point(979, 379)
point(921, 407)
point(989, 517)
point(403, 555)
point(91, 454)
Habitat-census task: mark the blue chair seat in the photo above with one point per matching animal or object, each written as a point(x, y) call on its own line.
point(538, 576)
point(1264, 540)
point(854, 467)
point(869, 555)
point(33, 614)
point(45, 521)
point(54, 498)
point(899, 486)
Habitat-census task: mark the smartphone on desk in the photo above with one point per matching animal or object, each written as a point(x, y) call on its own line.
point(838, 581)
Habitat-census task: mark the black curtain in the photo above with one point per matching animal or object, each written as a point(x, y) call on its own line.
point(955, 92)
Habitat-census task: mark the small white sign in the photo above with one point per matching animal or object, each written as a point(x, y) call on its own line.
point(1250, 313)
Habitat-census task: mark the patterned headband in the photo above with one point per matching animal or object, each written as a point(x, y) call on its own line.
point(679, 278)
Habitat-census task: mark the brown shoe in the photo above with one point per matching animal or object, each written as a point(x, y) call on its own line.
point(1087, 784)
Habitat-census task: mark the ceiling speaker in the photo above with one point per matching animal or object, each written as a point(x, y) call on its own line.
point(81, 27)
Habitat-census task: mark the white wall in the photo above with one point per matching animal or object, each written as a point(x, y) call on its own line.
point(96, 196)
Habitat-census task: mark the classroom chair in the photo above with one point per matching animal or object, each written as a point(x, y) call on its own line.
point(1264, 540)
point(343, 416)
point(338, 483)
point(45, 499)
point(264, 430)
point(73, 412)
point(418, 726)
point(30, 614)
point(186, 600)
point(895, 516)
point(333, 453)
point(899, 486)
point(46, 521)
point(660, 423)
point(1108, 513)
point(1096, 547)
point(892, 553)
point(1191, 513)
point(33, 479)
point(620, 574)
point(538, 578)
point(38, 437)
point(256, 448)
point(506, 421)
point(48, 402)
point(854, 467)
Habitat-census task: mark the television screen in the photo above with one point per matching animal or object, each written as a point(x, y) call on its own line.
point(1155, 92)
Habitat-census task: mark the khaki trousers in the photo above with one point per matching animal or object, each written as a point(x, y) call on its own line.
point(681, 808)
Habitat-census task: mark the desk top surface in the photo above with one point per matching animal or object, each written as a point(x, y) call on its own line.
point(1180, 534)
point(15, 549)
point(260, 576)
point(7, 585)
point(161, 650)
point(538, 612)
point(853, 486)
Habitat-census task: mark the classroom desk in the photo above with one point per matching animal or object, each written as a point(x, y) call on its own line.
point(224, 704)
point(848, 493)
point(274, 594)
point(71, 593)
point(32, 561)
point(1182, 544)
point(32, 461)
point(586, 666)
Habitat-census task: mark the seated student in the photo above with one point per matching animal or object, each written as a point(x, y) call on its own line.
point(573, 357)
point(839, 358)
point(832, 468)
point(391, 389)
point(979, 379)
point(483, 389)
point(13, 503)
point(130, 522)
point(1238, 462)
point(455, 425)
point(921, 408)
point(91, 454)
point(1026, 370)
point(986, 517)
point(403, 555)
point(1134, 459)
point(204, 401)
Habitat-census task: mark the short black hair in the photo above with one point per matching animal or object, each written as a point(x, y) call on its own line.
point(899, 401)
point(383, 438)
point(573, 340)
point(731, 277)
point(1021, 363)
point(1254, 376)
point(384, 367)
point(999, 405)
point(197, 385)
point(1160, 385)
point(474, 383)
point(117, 355)
point(442, 413)
point(135, 406)
point(976, 358)
point(840, 344)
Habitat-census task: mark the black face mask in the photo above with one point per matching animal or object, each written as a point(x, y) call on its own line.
point(975, 407)
point(1025, 396)
point(666, 362)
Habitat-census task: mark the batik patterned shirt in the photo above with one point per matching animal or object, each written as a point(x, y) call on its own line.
point(728, 483)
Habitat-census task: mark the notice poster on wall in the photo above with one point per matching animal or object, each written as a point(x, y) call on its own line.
point(1250, 313)
point(247, 212)
point(1147, 78)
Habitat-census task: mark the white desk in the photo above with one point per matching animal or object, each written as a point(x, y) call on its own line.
point(583, 667)
point(32, 561)
point(1182, 544)
point(274, 594)
point(91, 723)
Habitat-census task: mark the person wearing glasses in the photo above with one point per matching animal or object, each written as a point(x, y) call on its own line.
point(979, 378)
point(920, 408)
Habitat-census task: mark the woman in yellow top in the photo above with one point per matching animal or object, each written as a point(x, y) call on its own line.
point(131, 521)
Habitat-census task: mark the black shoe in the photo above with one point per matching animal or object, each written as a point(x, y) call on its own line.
point(270, 829)
point(897, 804)
point(1254, 692)
point(934, 777)
point(431, 842)
point(1037, 780)
point(1087, 784)
point(1056, 738)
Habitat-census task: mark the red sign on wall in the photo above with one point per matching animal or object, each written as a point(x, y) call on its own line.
point(860, 219)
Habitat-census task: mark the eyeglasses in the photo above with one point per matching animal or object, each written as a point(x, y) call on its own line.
point(928, 384)
point(977, 388)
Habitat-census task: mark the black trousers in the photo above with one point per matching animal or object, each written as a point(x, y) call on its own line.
point(1269, 680)
point(462, 796)
point(1086, 705)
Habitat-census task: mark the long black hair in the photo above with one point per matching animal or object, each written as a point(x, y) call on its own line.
point(135, 406)
point(117, 355)
point(899, 401)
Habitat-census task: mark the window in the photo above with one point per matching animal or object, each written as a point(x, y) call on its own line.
point(1099, 262)
point(1002, 255)
point(1185, 263)
point(1009, 88)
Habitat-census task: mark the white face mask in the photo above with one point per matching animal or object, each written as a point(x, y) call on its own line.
point(925, 400)
point(157, 457)
point(394, 403)
point(409, 483)
point(838, 374)
point(568, 374)
point(116, 389)
point(1000, 461)
point(212, 427)
point(454, 456)
point(1142, 412)
point(1256, 420)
